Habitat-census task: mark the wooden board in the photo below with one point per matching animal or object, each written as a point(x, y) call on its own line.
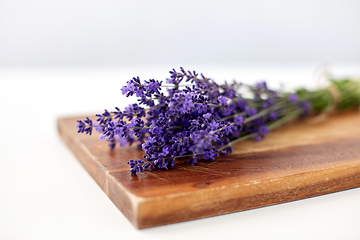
point(297, 161)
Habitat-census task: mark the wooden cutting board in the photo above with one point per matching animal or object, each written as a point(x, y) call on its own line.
point(296, 161)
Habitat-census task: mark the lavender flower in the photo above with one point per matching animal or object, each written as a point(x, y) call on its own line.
point(293, 97)
point(222, 100)
point(195, 117)
point(85, 126)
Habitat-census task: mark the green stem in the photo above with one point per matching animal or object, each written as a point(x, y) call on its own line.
point(266, 111)
point(238, 140)
point(188, 155)
point(290, 116)
point(232, 116)
point(210, 104)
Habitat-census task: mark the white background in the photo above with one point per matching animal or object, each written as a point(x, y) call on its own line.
point(88, 32)
point(66, 58)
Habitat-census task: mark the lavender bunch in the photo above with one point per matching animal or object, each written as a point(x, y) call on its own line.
point(199, 119)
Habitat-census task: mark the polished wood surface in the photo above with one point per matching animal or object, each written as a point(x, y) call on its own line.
point(296, 161)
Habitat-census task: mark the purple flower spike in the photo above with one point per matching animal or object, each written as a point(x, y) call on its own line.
point(85, 126)
point(306, 107)
point(261, 86)
point(263, 130)
point(273, 116)
point(207, 115)
point(80, 126)
point(193, 160)
point(223, 100)
point(136, 166)
point(293, 98)
point(239, 120)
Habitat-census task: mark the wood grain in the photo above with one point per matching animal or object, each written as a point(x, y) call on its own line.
point(297, 161)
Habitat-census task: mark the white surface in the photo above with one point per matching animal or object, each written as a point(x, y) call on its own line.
point(68, 32)
point(47, 194)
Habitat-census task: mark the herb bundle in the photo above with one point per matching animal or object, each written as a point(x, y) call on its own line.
point(199, 119)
